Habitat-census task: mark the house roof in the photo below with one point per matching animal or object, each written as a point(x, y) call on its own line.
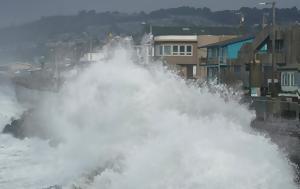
point(192, 30)
point(228, 42)
point(192, 38)
point(291, 67)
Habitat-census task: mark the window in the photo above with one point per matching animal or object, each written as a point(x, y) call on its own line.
point(287, 79)
point(167, 50)
point(214, 52)
point(158, 50)
point(279, 45)
point(161, 50)
point(188, 50)
point(212, 73)
point(283, 79)
point(224, 52)
point(247, 67)
point(182, 49)
point(209, 53)
point(175, 50)
point(237, 68)
point(292, 79)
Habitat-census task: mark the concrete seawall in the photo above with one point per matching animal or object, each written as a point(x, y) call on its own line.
point(267, 108)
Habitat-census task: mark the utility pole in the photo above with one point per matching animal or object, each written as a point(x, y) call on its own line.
point(273, 49)
point(219, 69)
point(264, 20)
point(273, 3)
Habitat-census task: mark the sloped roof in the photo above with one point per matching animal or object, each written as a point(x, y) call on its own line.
point(229, 41)
point(193, 30)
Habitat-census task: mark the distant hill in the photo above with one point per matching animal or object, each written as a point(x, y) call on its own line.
point(90, 24)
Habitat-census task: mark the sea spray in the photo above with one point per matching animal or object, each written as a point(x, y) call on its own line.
point(9, 106)
point(125, 125)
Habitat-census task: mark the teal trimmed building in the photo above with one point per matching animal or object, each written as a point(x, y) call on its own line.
point(221, 64)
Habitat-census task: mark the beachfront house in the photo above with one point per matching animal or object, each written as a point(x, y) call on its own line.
point(222, 65)
point(258, 57)
point(178, 52)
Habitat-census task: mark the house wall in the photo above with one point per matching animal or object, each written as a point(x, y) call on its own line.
point(202, 52)
point(287, 56)
point(180, 60)
point(210, 39)
point(227, 55)
point(183, 63)
point(297, 79)
point(228, 52)
point(292, 45)
point(183, 60)
point(233, 49)
point(186, 63)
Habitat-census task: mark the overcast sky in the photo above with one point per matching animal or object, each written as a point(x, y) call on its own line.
point(13, 12)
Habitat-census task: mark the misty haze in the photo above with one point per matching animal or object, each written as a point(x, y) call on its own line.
point(155, 94)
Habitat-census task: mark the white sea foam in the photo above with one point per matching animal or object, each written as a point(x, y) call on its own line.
point(9, 106)
point(123, 125)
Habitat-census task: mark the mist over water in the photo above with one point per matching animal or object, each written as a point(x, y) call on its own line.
point(125, 125)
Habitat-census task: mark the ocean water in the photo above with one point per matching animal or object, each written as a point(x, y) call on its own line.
point(124, 125)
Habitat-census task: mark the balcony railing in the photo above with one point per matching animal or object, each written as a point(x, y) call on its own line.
point(216, 60)
point(212, 61)
point(267, 58)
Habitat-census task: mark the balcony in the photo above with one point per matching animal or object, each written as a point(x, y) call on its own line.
point(213, 60)
point(280, 58)
point(216, 60)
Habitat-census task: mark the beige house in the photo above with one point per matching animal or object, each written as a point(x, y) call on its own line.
point(181, 52)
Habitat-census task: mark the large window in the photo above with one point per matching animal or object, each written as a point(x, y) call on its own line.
point(287, 79)
point(279, 45)
point(167, 50)
point(209, 53)
point(188, 50)
point(161, 50)
point(182, 50)
point(174, 50)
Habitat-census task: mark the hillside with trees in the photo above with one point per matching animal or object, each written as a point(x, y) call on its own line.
point(31, 38)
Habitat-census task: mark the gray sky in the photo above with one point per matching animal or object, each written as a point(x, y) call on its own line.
point(13, 12)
